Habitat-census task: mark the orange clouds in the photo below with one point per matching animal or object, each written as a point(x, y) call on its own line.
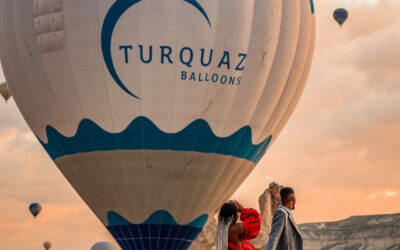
point(66, 226)
point(27, 175)
point(340, 150)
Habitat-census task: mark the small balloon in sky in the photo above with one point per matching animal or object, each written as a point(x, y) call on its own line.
point(103, 246)
point(5, 91)
point(47, 245)
point(35, 209)
point(340, 15)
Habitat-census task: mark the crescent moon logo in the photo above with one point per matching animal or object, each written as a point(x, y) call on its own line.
point(111, 20)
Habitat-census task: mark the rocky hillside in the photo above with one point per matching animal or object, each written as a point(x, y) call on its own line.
point(374, 232)
point(357, 232)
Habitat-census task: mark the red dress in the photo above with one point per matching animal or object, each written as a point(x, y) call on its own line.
point(251, 220)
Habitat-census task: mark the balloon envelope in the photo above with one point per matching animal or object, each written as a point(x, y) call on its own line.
point(35, 209)
point(103, 246)
point(156, 110)
point(47, 245)
point(340, 15)
point(5, 91)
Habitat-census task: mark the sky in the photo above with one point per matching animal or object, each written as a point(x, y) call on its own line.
point(339, 151)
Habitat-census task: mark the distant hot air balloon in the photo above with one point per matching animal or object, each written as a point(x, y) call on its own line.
point(156, 110)
point(35, 209)
point(340, 15)
point(5, 91)
point(103, 246)
point(47, 245)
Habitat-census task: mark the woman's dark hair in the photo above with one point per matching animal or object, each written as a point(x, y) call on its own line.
point(227, 216)
point(227, 211)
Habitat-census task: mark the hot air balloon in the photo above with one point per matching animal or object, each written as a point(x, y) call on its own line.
point(35, 209)
point(340, 15)
point(103, 246)
point(156, 110)
point(5, 91)
point(47, 245)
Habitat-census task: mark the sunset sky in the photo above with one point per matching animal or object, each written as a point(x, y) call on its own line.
point(340, 150)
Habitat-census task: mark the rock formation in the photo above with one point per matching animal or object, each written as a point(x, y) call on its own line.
point(374, 232)
point(206, 239)
point(268, 202)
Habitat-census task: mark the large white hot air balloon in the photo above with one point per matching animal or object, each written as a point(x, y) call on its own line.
point(5, 91)
point(156, 110)
point(103, 246)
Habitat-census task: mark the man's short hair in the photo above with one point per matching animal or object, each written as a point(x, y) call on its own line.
point(286, 192)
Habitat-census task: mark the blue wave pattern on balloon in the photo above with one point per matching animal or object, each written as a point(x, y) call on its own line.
point(142, 133)
point(312, 6)
point(159, 231)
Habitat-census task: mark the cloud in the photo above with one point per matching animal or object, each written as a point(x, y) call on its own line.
point(27, 172)
point(379, 57)
point(339, 150)
point(28, 175)
point(341, 145)
point(390, 193)
point(67, 226)
point(364, 20)
point(372, 196)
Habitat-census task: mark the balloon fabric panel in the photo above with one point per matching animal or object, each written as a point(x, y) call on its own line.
point(177, 100)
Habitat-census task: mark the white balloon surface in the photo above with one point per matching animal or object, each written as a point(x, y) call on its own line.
point(156, 110)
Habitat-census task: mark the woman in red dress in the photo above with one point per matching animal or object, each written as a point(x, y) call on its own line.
point(232, 235)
